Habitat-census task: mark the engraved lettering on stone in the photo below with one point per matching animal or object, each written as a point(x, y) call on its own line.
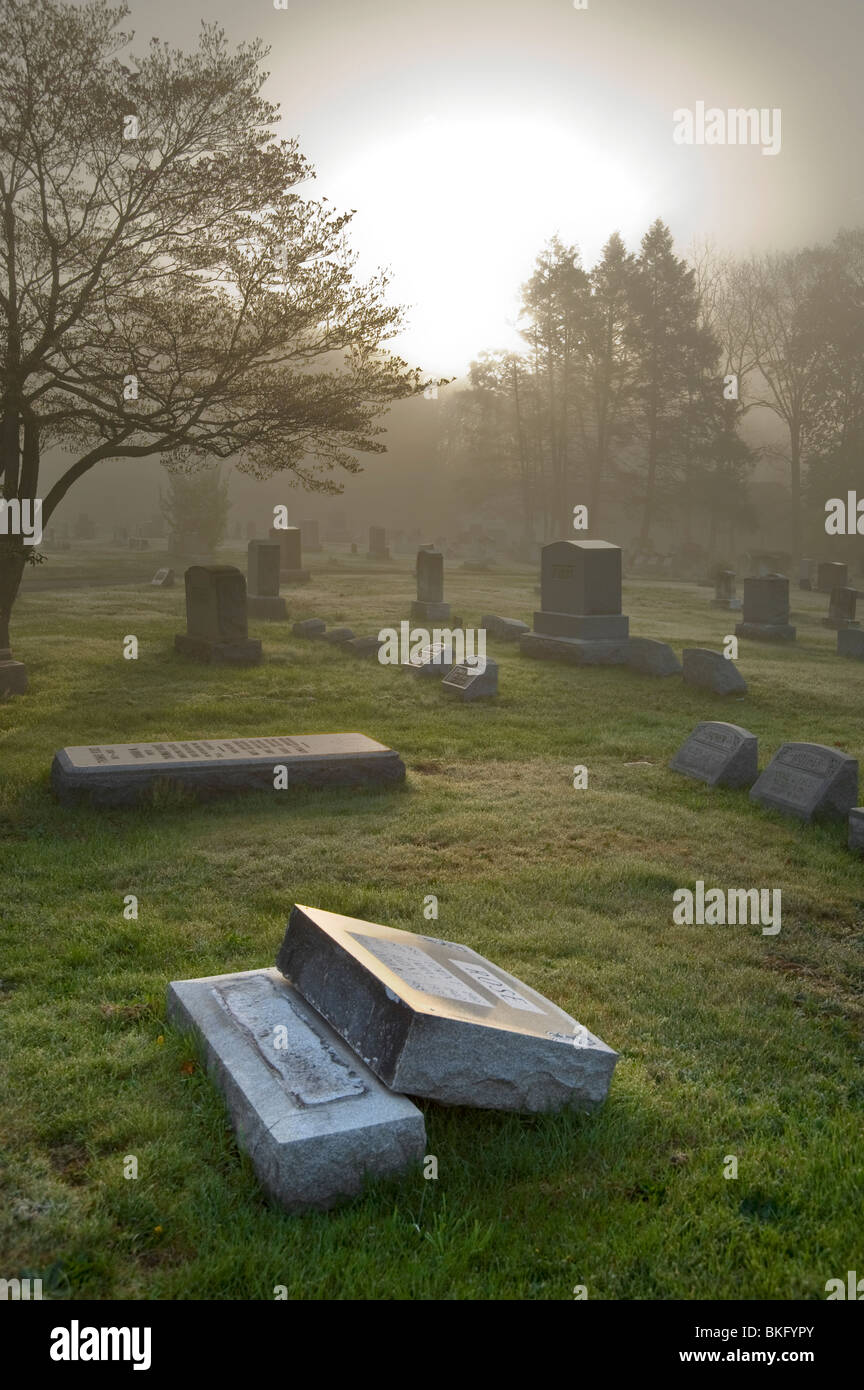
point(420, 971)
point(506, 993)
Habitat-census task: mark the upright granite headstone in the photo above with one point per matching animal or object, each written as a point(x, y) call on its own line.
point(163, 579)
point(291, 569)
point(830, 574)
point(216, 624)
point(433, 1018)
point(122, 774)
point(841, 610)
point(429, 603)
point(467, 682)
point(720, 754)
point(580, 591)
point(808, 780)
point(378, 543)
point(262, 567)
point(309, 536)
point(805, 574)
point(766, 609)
point(724, 591)
point(850, 642)
point(312, 1117)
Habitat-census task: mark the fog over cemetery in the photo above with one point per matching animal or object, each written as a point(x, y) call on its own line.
point(430, 666)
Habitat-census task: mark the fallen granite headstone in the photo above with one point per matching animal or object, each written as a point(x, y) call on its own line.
point(652, 658)
point(313, 1119)
point(122, 774)
point(433, 1018)
point(809, 781)
point(719, 754)
point(309, 627)
point(712, 671)
point(337, 635)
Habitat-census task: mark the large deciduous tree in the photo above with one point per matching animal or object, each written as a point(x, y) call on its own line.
point(165, 289)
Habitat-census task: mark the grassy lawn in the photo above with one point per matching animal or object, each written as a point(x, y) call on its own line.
point(731, 1043)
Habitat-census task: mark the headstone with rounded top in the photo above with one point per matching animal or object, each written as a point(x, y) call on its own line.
point(216, 622)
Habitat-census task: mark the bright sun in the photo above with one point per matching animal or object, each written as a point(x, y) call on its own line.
point(460, 208)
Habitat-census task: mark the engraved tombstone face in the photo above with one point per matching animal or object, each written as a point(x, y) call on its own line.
point(216, 603)
point(582, 577)
point(430, 576)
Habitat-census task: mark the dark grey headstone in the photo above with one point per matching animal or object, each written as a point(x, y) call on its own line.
point(712, 671)
point(652, 658)
point(309, 627)
point(808, 780)
point(805, 574)
point(723, 755)
point(505, 629)
point(467, 682)
point(435, 1019)
point(291, 569)
point(830, 574)
point(430, 576)
point(263, 565)
point(122, 774)
point(434, 660)
point(163, 579)
point(850, 642)
point(765, 614)
point(856, 828)
point(364, 646)
point(338, 635)
point(580, 588)
point(216, 620)
point(313, 1119)
point(724, 591)
point(573, 650)
point(841, 609)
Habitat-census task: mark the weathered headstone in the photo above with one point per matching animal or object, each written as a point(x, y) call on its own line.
point(291, 569)
point(720, 754)
point(364, 646)
point(830, 574)
point(121, 774)
point(850, 642)
point(841, 610)
point(652, 658)
point(429, 603)
point(505, 629)
point(712, 671)
point(262, 568)
point(580, 591)
point(724, 591)
point(309, 535)
point(805, 574)
point(314, 1120)
point(808, 780)
point(338, 635)
point(856, 828)
point(378, 544)
point(766, 609)
point(216, 623)
point(309, 627)
point(433, 1018)
point(163, 579)
point(467, 682)
point(13, 674)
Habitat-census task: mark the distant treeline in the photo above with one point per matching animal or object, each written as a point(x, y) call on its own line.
point(636, 376)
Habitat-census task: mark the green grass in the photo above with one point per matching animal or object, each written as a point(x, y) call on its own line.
point(731, 1043)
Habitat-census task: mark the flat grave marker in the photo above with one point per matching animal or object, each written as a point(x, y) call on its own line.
point(123, 774)
point(312, 1117)
point(467, 682)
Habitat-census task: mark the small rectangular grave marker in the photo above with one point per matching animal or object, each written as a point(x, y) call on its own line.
point(466, 682)
point(433, 1018)
point(720, 754)
point(121, 774)
point(808, 780)
point(313, 1119)
point(163, 579)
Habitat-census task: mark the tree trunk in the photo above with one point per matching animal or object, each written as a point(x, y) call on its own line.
point(13, 558)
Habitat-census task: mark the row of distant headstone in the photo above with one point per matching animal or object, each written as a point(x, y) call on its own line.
point(765, 609)
point(317, 1073)
point(809, 781)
